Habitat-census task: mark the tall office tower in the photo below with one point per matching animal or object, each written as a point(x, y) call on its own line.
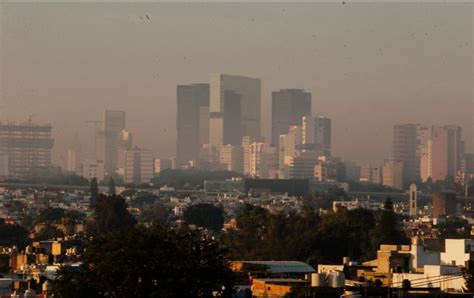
point(288, 108)
point(232, 118)
point(469, 163)
point(410, 143)
point(231, 158)
point(74, 155)
point(317, 134)
point(192, 121)
point(234, 108)
point(392, 174)
point(447, 152)
point(114, 123)
point(28, 148)
point(139, 166)
point(413, 200)
point(404, 147)
point(125, 143)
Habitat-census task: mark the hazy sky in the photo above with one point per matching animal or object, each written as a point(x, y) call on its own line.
point(367, 65)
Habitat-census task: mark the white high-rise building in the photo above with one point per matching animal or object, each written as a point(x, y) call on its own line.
point(125, 143)
point(442, 153)
point(288, 148)
point(256, 159)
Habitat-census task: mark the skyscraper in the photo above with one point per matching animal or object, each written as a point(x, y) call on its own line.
point(410, 142)
point(114, 123)
point(192, 121)
point(230, 94)
point(125, 142)
point(28, 148)
point(74, 155)
point(317, 134)
point(447, 150)
point(288, 108)
point(288, 149)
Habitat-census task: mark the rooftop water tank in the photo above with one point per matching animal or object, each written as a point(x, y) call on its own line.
point(318, 280)
point(336, 279)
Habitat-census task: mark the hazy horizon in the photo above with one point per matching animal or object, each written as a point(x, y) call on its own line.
point(368, 66)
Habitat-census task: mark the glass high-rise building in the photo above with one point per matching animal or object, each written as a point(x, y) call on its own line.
point(192, 121)
point(114, 123)
point(288, 108)
point(235, 103)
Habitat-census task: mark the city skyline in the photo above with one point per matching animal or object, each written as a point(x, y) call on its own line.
point(344, 82)
point(236, 149)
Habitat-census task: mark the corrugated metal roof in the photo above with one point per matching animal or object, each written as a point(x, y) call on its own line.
point(284, 266)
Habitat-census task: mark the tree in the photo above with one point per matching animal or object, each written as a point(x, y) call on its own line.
point(111, 214)
point(148, 262)
point(387, 230)
point(158, 213)
point(48, 232)
point(94, 190)
point(50, 215)
point(302, 236)
point(112, 190)
point(468, 274)
point(455, 228)
point(12, 234)
point(74, 282)
point(205, 215)
point(247, 241)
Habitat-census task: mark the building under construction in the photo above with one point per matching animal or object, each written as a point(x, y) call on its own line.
point(28, 148)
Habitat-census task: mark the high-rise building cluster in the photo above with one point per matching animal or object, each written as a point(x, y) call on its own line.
point(429, 153)
point(115, 155)
point(421, 154)
point(219, 127)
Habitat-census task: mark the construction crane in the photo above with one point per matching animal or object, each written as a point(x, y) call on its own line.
point(96, 134)
point(29, 118)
